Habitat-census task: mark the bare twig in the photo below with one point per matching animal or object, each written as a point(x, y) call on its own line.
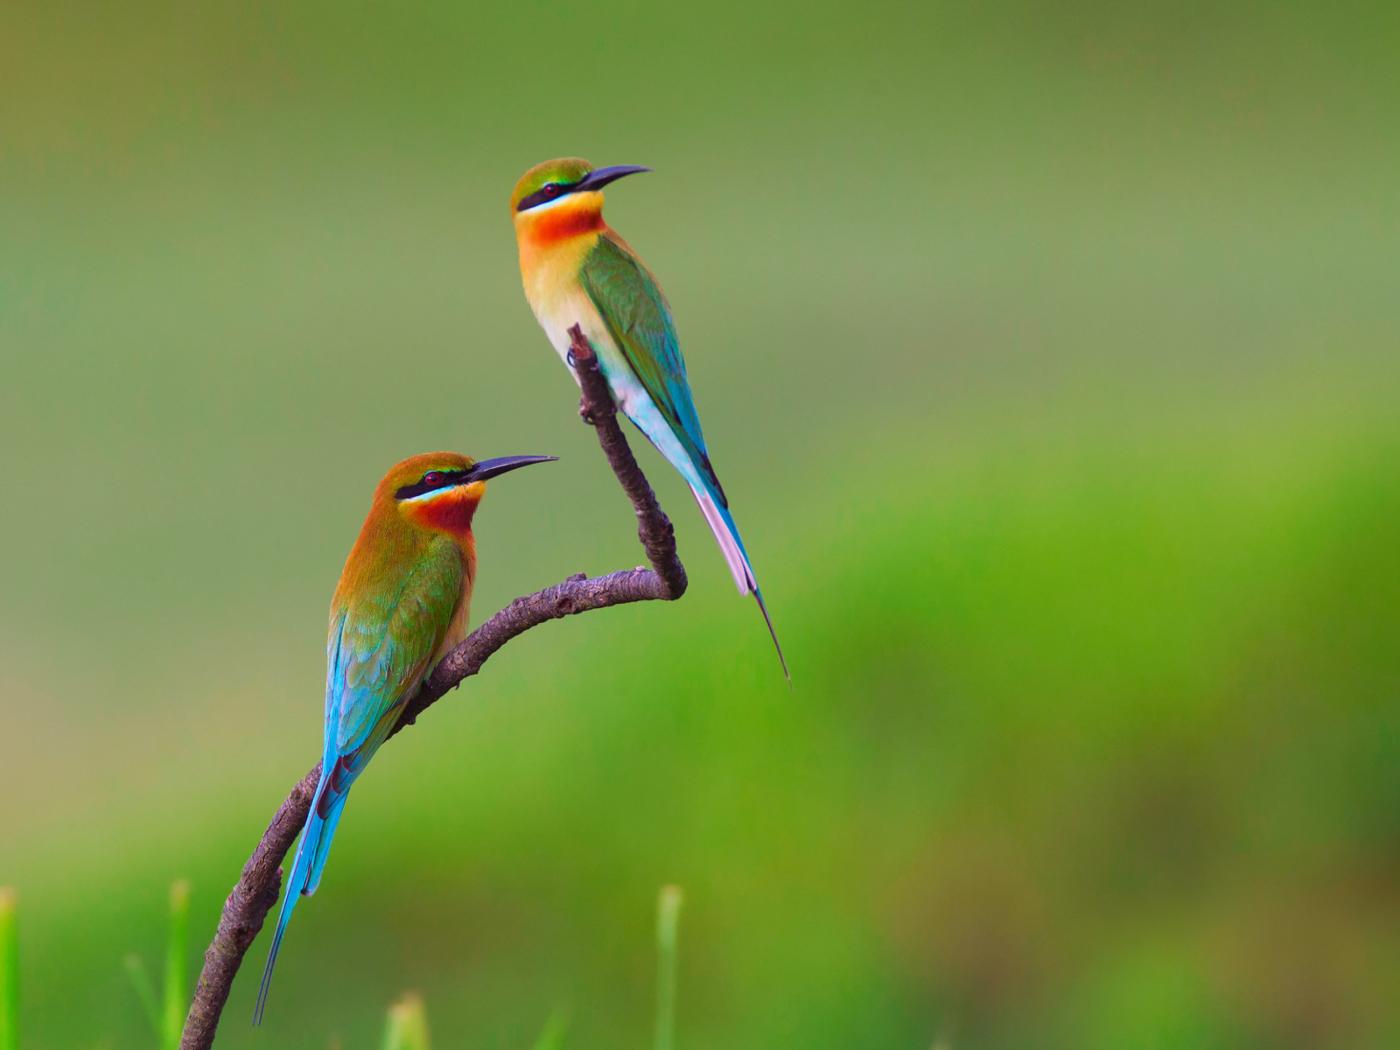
point(247, 907)
point(653, 527)
point(244, 911)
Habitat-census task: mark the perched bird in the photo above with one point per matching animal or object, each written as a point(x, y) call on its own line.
point(578, 271)
point(401, 605)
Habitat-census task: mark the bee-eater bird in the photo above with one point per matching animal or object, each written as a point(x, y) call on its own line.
point(578, 271)
point(401, 605)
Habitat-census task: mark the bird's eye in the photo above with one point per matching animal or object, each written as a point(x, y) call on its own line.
point(551, 189)
point(433, 477)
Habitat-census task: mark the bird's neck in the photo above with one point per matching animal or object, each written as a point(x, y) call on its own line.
point(576, 215)
point(555, 239)
point(387, 543)
point(449, 514)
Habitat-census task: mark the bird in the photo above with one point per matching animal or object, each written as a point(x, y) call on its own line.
point(401, 605)
point(578, 271)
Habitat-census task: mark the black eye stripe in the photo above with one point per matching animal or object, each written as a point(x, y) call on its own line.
point(550, 191)
point(440, 479)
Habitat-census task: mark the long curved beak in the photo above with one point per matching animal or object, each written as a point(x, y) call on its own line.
point(596, 180)
point(489, 468)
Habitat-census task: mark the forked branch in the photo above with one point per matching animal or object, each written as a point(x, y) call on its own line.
point(256, 892)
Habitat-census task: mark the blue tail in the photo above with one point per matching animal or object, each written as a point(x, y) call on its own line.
point(700, 476)
point(310, 861)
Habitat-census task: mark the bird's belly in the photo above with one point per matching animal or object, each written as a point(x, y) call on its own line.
point(560, 314)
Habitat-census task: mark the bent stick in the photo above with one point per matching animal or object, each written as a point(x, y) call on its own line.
point(256, 892)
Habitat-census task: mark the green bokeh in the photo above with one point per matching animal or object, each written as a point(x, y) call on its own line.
point(1048, 354)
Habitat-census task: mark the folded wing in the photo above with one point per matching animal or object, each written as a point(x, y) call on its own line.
point(639, 320)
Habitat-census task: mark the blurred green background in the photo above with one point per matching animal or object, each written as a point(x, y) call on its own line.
point(1048, 353)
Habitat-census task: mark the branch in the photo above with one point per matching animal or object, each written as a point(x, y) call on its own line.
point(256, 892)
point(244, 911)
point(653, 527)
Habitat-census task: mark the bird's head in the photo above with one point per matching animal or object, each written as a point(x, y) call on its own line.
point(563, 195)
point(439, 491)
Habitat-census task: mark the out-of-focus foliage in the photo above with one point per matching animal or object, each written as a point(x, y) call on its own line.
point(668, 918)
point(166, 1012)
point(556, 1028)
point(406, 1027)
point(1047, 355)
point(9, 971)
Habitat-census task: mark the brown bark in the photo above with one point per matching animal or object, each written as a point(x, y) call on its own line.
point(256, 892)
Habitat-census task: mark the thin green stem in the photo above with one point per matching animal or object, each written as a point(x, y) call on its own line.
point(145, 990)
point(9, 971)
point(406, 1027)
point(668, 914)
point(177, 954)
point(555, 1028)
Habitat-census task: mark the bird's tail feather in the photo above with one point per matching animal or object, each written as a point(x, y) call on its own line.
point(758, 596)
point(329, 822)
point(721, 523)
point(310, 861)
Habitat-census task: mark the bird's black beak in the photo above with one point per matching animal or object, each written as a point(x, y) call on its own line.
point(596, 180)
point(489, 468)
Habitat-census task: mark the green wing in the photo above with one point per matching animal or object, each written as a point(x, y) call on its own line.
point(387, 638)
point(639, 319)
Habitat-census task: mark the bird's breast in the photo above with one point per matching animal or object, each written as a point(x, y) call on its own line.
point(461, 620)
point(549, 268)
point(550, 274)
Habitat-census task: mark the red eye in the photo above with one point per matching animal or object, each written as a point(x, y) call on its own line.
point(551, 189)
point(433, 477)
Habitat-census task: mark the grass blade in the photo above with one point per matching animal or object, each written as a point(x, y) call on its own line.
point(9, 971)
point(177, 953)
point(145, 990)
point(555, 1028)
point(407, 1024)
point(668, 915)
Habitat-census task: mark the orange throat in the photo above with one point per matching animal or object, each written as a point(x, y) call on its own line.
point(450, 513)
point(574, 216)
